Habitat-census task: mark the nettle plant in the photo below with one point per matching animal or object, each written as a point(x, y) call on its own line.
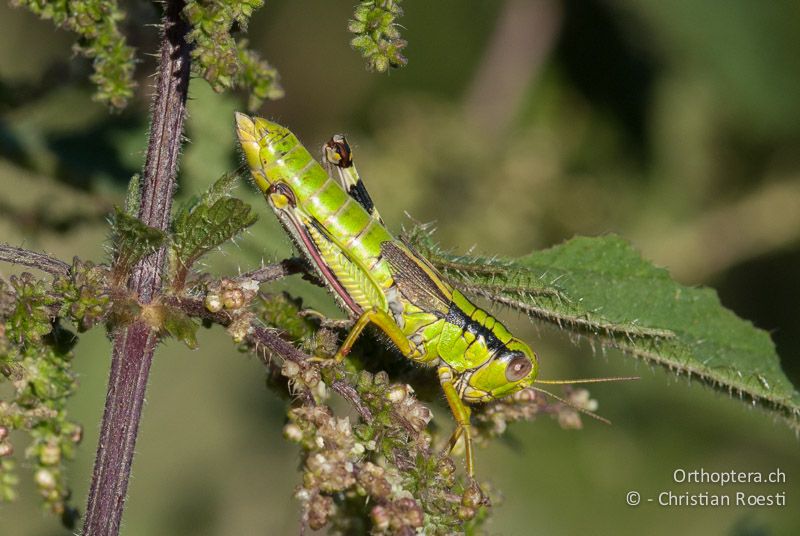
point(383, 472)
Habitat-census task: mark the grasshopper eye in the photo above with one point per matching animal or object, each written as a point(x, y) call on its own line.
point(519, 367)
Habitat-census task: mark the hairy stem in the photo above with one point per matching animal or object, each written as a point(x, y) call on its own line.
point(135, 344)
point(271, 272)
point(32, 259)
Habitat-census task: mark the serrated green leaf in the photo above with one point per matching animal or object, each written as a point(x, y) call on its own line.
point(206, 223)
point(603, 289)
point(132, 240)
point(222, 187)
point(208, 227)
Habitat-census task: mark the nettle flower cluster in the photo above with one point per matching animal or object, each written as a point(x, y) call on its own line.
point(389, 473)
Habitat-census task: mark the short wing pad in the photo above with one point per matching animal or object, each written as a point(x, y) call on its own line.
point(415, 281)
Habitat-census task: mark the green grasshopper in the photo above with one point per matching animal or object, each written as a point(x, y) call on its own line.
point(379, 279)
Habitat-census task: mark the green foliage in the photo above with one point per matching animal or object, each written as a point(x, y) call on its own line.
point(206, 223)
point(598, 288)
point(28, 307)
point(131, 241)
point(85, 293)
point(179, 325)
point(95, 22)
point(283, 311)
point(257, 76)
point(376, 34)
point(8, 479)
point(603, 289)
point(133, 196)
point(220, 59)
point(35, 359)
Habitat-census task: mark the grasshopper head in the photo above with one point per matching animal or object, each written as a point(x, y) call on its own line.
point(506, 373)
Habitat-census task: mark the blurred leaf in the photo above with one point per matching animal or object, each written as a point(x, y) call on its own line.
point(205, 158)
point(180, 326)
point(133, 196)
point(61, 135)
point(748, 50)
point(207, 222)
point(603, 289)
point(283, 311)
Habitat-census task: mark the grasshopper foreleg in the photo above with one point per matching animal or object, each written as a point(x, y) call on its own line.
point(461, 415)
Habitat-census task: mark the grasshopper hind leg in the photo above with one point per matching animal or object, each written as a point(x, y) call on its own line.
point(384, 322)
point(461, 412)
point(338, 158)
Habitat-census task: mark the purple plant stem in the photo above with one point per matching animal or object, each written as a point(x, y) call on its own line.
point(135, 344)
point(33, 259)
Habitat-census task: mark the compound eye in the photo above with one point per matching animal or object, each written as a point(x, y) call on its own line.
point(518, 368)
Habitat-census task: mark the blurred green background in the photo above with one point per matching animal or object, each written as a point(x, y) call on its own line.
point(515, 125)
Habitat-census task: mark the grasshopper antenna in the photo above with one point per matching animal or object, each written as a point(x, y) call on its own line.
point(588, 380)
point(571, 405)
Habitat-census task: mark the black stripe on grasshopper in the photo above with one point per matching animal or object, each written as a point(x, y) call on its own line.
point(418, 288)
point(360, 194)
point(458, 317)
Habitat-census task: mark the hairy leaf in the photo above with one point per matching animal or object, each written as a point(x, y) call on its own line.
point(132, 240)
point(601, 288)
point(205, 223)
point(133, 196)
